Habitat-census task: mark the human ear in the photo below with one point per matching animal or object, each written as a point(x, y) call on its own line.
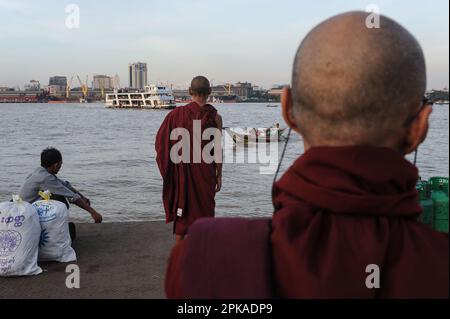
point(417, 131)
point(53, 168)
point(288, 109)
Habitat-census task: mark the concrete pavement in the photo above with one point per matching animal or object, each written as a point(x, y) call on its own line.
point(123, 260)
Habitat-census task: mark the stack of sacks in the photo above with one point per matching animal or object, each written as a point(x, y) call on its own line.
point(55, 244)
point(19, 239)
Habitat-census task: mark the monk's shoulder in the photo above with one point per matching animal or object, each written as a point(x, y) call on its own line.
point(211, 106)
point(173, 114)
point(234, 247)
point(188, 108)
point(173, 271)
point(429, 236)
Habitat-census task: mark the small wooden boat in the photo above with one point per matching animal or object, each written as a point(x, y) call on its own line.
point(253, 136)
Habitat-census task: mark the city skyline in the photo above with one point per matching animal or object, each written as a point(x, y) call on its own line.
point(228, 41)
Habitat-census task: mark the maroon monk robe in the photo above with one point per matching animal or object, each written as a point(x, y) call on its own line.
point(186, 186)
point(341, 209)
point(338, 210)
point(224, 259)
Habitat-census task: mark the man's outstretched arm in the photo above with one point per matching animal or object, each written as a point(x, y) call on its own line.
point(73, 189)
point(83, 204)
point(57, 187)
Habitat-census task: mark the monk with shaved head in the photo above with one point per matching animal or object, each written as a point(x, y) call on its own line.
point(189, 185)
point(345, 222)
point(353, 85)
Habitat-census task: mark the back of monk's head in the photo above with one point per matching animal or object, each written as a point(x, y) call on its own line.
point(200, 86)
point(354, 85)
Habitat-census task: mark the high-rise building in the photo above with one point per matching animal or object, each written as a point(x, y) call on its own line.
point(138, 75)
point(60, 81)
point(102, 81)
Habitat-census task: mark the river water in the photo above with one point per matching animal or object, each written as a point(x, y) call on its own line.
point(109, 155)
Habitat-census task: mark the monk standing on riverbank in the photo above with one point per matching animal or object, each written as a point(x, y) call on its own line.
point(345, 222)
point(190, 182)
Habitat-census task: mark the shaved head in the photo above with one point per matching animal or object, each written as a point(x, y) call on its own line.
point(355, 85)
point(200, 86)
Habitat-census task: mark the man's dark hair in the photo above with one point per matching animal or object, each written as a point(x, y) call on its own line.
point(50, 156)
point(200, 86)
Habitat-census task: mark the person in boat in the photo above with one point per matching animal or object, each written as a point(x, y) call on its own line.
point(44, 178)
point(189, 189)
point(345, 222)
point(276, 128)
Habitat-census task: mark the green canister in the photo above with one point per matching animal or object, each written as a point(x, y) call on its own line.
point(440, 201)
point(427, 216)
point(439, 184)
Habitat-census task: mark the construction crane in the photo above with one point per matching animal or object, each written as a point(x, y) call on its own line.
point(228, 87)
point(102, 88)
point(68, 87)
point(84, 87)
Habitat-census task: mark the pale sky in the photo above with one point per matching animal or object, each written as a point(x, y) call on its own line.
point(226, 40)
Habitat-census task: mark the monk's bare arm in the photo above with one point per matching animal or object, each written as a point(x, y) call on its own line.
point(219, 154)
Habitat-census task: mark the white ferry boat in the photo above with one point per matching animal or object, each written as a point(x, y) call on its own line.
point(153, 97)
